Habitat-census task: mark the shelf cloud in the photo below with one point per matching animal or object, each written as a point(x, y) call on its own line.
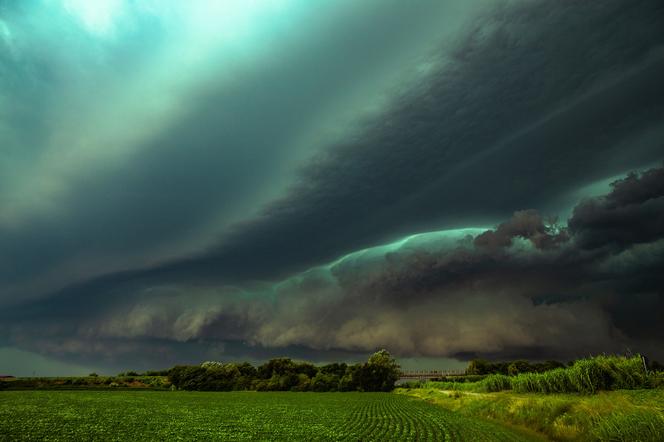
point(181, 182)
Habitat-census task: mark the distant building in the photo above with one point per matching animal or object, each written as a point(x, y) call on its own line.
point(6, 376)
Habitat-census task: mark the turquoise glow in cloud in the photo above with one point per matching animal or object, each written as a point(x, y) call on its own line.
point(118, 107)
point(252, 171)
point(436, 240)
point(98, 17)
point(441, 241)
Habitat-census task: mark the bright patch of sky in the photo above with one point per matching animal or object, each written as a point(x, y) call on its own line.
point(99, 16)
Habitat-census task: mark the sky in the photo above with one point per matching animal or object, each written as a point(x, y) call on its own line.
point(238, 180)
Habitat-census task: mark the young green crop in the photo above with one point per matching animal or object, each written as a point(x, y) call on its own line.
point(159, 415)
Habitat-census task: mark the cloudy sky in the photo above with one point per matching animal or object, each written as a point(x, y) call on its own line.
point(237, 180)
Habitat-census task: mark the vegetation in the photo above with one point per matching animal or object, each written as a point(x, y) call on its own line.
point(154, 415)
point(601, 398)
point(623, 415)
point(379, 373)
point(482, 367)
point(586, 376)
point(87, 383)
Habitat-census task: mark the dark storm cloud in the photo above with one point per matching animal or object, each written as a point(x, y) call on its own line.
point(632, 213)
point(527, 288)
point(537, 99)
point(529, 103)
point(526, 224)
point(232, 140)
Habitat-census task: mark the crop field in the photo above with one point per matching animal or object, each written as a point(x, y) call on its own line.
point(162, 415)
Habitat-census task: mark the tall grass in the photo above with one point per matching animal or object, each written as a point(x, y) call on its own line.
point(641, 425)
point(624, 415)
point(496, 382)
point(586, 376)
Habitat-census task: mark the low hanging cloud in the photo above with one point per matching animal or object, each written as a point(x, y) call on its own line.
point(528, 288)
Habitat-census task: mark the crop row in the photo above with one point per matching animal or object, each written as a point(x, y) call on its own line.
point(150, 415)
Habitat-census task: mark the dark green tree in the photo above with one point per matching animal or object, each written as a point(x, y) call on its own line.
point(379, 373)
point(520, 366)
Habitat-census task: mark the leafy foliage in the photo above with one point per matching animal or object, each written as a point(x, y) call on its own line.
point(483, 367)
point(379, 373)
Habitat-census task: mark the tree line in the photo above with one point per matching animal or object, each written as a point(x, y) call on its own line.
point(379, 373)
point(510, 368)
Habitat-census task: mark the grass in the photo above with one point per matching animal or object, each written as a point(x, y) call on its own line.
point(587, 376)
point(177, 415)
point(623, 415)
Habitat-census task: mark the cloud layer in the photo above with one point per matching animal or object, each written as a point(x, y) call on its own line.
point(526, 288)
point(164, 186)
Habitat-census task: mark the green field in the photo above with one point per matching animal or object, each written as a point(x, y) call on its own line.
point(162, 415)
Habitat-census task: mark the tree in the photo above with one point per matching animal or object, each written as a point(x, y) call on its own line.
point(349, 381)
point(278, 366)
point(517, 367)
point(379, 373)
point(325, 382)
point(547, 365)
point(212, 364)
point(478, 366)
point(338, 369)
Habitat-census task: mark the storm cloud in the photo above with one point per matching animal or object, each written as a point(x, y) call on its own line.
point(525, 288)
point(325, 181)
